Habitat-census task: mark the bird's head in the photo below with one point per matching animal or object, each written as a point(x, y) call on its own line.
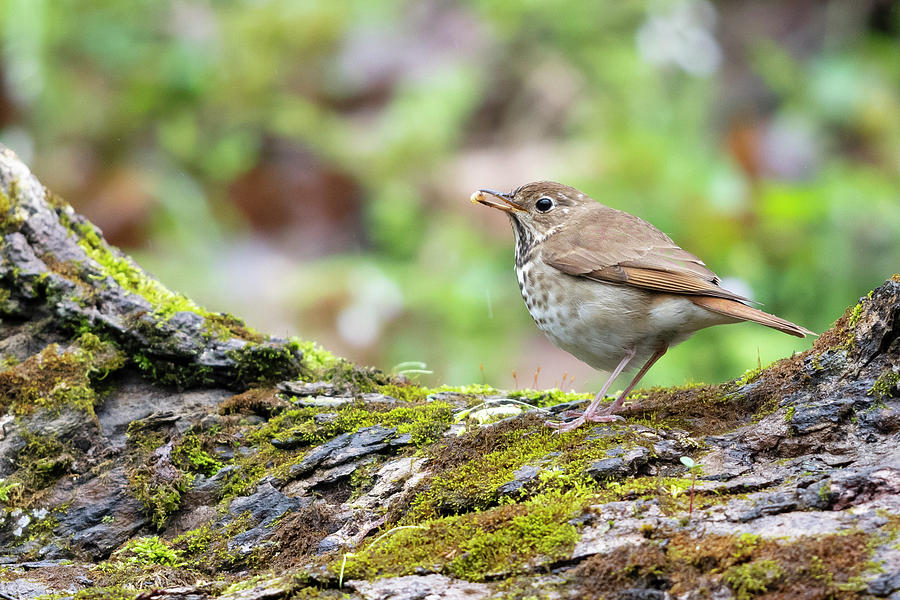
point(536, 209)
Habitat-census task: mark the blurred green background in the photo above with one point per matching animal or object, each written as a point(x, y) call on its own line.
point(307, 164)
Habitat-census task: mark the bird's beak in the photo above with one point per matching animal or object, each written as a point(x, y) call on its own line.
point(480, 197)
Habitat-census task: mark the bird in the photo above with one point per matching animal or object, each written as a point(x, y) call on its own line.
point(610, 288)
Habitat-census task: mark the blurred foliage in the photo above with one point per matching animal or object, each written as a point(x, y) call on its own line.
point(772, 152)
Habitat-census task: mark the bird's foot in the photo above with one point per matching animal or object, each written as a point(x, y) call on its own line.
point(603, 418)
point(571, 414)
point(563, 427)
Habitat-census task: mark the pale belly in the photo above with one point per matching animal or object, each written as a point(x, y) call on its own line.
point(598, 322)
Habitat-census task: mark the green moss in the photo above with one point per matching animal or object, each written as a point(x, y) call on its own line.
point(474, 546)
point(5, 295)
point(470, 469)
point(825, 492)
point(161, 498)
point(262, 364)
point(206, 548)
point(143, 562)
point(42, 461)
point(10, 491)
point(842, 335)
point(189, 455)
point(885, 386)
point(315, 358)
point(362, 478)
point(298, 429)
point(10, 219)
point(112, 592)
point(424, 422)
point(410, 392)
point(250, 469)
point(474, 389)
point(752, 578)
point(789, 414)
point(749, 376)
point(131, 277)
point(149, 550)
point(223, 326)
point(404, 392)
point(175, 374)
point(154, 476)
point(548, 397)
point(855, 314)
point(56, 378)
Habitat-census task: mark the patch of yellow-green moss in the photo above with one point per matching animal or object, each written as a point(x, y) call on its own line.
point(267, 363)
point(789, 414)
point(749, 376)
point(5, 307)
point(175, 374)
point(166, 303)
point(856, 312)
point(56, 378)
point(315, 358)
point(205, 549)
point(150, 550)
point(471, 469)
point(10, 219)
point(276, 445)
point(551, 397)
point(222, 326)
point(141, 563)
point(155, 474)
point(131, 277)
point(10, 492)
point(112, 592)
point(160, 497)
point(424, 422)
point(885, 386)
point(475, 546)
point(255, 363)
point(250, 468)
point(190, 455)
point(42, 460)
point(752, 578)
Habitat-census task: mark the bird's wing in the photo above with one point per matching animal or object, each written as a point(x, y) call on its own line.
point(616, 247)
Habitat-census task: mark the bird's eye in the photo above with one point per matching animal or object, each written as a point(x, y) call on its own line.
point(544, 204)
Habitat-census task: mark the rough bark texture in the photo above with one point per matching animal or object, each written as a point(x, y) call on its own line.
point(151, 449)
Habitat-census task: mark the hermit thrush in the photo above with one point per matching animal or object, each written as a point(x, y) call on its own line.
point(610, 288)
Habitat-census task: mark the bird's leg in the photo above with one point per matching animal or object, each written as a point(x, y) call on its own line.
point(592, 408)
point(608, 414)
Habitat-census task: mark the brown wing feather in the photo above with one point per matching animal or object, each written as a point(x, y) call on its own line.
point(743, 312)
point(614, 247)
point(672, 282)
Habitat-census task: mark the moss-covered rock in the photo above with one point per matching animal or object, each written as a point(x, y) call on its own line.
point(147, 444)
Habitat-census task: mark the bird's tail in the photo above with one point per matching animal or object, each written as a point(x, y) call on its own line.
point(742, 312)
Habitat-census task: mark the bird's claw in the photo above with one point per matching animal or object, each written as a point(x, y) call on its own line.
point(563, 427)
point(601, 418)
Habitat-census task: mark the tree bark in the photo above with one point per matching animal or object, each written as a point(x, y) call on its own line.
point(182, 452)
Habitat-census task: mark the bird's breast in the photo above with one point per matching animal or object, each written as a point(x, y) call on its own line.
point(593, 321)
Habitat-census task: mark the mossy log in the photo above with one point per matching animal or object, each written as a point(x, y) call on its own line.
point(152, 449)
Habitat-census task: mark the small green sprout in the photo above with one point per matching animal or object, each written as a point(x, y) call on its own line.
point(5, 488)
